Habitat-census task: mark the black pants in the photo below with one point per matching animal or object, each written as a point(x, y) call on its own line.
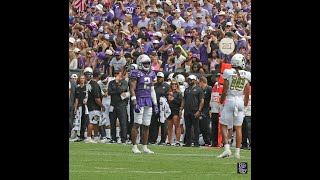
point(119, 112)
point(190, 121)
point(214, 128)
point(154, 129)
point(246, 130)
point(84, 122)
point(205, 126)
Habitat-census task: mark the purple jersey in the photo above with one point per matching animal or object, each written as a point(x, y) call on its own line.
point(130, 8)
point(143, 87)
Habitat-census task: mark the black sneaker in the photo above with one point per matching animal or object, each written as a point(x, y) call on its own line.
point(161, 143)
point(168, 144)
point(178, 144)
point(112, 141)
point(187, 145)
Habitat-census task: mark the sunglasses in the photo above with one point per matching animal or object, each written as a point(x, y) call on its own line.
point(137, 8)
point(173, 83)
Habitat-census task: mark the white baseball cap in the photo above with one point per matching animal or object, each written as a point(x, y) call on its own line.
point(71, 40)
point(192, 77)
point(76, 50)
point(108, 52)
point(155, 42)
point(160, 74)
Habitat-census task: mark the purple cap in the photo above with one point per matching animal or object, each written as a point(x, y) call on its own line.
point(117, 53)
point(101, 55)
point(234, 1)
point(188, 28)
point(240, 33)
point(195, 55)
point(182, 38)
point(170, 50)
point(94, 33)
point(89, 26)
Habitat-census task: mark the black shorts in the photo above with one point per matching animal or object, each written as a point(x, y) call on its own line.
point(173, 112)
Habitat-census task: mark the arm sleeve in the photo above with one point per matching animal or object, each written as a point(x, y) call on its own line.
point(153, 96)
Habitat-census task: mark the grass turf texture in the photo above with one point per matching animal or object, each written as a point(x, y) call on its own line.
point(116, 161)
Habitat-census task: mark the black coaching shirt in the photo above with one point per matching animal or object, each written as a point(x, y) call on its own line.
point(94, 91)
point(161, 90)
point(192, 97)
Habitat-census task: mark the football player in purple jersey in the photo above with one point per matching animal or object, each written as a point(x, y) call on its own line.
point(143, 97)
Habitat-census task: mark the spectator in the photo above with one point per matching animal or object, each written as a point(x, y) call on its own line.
point(117, 63)
point(72, 92)
point(73, 61)
point(118, 106)
point(80, 107)
point(214, 111)
point(174, 99)
point(170, 66)
point(246, 126)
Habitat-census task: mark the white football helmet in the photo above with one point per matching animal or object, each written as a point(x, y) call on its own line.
point(170, 76)
point(88, 70)
point(238, 60)
point(144, 62)
point(180, 79)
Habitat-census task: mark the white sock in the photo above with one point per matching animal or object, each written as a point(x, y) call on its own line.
point(135, 146)
point(227, 147)
point(117, 131)
point(229, 141)
point(237, 151)
point(108, 133)
point(181, 137)
point(144, 147)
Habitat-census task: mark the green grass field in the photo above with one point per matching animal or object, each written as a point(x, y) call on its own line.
point(116, 161)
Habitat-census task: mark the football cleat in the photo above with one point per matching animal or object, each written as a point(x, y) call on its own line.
point(225, 153)
point(135, 150)
point(147, 151)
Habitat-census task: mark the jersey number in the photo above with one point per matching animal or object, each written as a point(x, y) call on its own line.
point(237, 83)
point(146, 83)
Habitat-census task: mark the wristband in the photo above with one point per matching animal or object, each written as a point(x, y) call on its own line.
point(133, 98)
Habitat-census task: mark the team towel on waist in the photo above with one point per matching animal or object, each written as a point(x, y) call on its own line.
point(165, 110)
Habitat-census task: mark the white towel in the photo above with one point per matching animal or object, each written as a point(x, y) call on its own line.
point(165, 110)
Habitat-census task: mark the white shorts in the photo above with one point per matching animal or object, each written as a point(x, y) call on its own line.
point(144, 117)
point(94, 117)
point(232, 113)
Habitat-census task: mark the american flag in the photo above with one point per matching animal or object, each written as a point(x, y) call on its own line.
point(80, 4)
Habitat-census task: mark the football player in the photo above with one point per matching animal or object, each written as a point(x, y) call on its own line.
point(236, 83)
point(143, 98)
